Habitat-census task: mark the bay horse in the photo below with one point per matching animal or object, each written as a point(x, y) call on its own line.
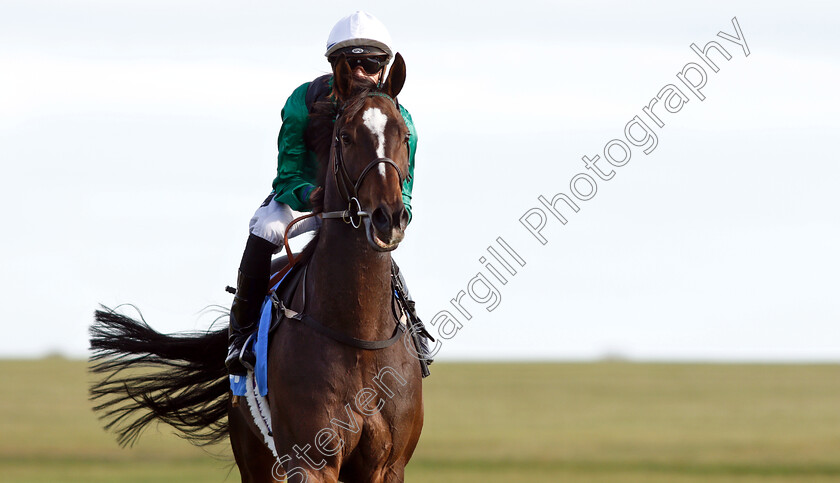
point(338, 411)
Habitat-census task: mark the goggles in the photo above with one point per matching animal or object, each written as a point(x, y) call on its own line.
point(371, 65)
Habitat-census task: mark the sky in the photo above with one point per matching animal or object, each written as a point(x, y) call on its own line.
point(137, 139)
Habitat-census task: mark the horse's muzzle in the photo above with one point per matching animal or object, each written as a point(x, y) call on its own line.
point(385, 227)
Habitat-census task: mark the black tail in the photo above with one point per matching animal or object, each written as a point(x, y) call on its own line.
point(178, 379)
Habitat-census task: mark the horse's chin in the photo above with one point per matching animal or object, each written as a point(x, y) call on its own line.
point(378, 243)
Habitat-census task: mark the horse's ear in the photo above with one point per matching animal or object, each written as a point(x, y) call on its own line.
point(396, 77)
point(342, 78)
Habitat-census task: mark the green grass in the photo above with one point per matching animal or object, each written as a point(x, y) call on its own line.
point(600, 422)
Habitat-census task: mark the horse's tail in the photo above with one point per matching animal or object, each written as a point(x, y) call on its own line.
point(178, 379)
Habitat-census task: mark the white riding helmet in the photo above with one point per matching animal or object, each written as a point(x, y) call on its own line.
point(359, 29)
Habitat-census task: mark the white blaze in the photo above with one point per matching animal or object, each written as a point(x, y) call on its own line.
point(375, 120)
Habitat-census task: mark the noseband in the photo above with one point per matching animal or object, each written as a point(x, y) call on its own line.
point(349, 190)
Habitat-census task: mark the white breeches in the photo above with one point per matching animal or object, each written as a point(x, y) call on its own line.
point(271, 219)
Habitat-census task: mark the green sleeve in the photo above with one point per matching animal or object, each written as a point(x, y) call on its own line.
point(408, 184)
point(297, 169)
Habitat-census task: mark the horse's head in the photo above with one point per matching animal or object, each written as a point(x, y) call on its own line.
point(369, 158)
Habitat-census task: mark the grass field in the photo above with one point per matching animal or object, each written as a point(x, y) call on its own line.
point(599, 422)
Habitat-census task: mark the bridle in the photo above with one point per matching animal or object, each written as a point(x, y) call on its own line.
point(349, 191)
point(353, 215)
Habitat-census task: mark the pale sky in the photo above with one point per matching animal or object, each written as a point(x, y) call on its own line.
point(137, 139)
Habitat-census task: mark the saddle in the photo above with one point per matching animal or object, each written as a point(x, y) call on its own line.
point(277, 309)
point(286, 277)
point(285, 289)
point(404, 316)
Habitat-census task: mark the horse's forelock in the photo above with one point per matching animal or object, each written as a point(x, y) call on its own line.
point(361, 90)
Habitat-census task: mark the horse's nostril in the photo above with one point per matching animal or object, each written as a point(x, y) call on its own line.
point(380, 219)
point(401, 217)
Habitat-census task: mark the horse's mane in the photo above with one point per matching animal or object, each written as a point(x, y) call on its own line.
point(319, 131)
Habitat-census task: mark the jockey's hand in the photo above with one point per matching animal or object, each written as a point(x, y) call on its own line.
point(316, 200)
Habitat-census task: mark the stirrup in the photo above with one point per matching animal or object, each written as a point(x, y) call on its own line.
point(249, 363)
point(239, 361)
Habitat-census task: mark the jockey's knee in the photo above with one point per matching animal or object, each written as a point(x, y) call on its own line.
point(270, 220)
point(271, 232)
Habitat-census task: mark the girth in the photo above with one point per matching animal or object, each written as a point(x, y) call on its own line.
point(281, 312)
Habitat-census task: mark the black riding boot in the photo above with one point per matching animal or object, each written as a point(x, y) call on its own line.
point(420, 329)
point(416, 324)
point(251, 289)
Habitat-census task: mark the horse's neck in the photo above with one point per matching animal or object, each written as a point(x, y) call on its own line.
point(350, 283)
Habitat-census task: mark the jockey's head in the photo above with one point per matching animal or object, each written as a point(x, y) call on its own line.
point(365, 43)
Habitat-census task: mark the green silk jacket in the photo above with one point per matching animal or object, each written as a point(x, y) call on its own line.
point(297, 168)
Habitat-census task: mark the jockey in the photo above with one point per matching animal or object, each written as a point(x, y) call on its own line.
point(366, 45)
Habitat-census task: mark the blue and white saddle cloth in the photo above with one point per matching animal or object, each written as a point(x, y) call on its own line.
point(259, 345)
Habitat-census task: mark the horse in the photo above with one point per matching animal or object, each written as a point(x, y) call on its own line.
point(345, 401)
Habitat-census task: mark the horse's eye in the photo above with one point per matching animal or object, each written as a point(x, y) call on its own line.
point(407, 137)
point(345, 138)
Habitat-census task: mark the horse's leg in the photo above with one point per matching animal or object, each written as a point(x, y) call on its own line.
point(253, 458)
point(257, 464)
point(293, 472)
point(395, 474)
